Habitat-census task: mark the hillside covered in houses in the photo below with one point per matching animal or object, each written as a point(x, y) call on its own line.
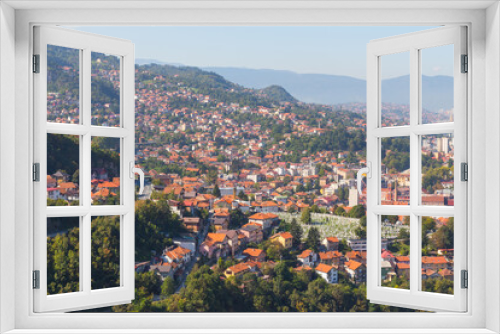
point(251, 202)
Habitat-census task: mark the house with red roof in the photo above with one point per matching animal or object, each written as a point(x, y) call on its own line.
point(356, 271)
point(255, 254)
point(308, 258)
point(331, 243)
point(266, 220)
point(328, 273)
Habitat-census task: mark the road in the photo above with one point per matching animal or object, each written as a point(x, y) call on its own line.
point(196, 257)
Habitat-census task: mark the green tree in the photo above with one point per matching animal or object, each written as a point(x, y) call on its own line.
point(443, 237)
point(313, 240)
point(296, 232)
point(237, 219)
point(242, 196)
point(339, 211)
point(360, 232)
point(357, 211)
point(105, 252)
point(306, 216)
point(168, 286)
point(216, 191)
point(153, 222)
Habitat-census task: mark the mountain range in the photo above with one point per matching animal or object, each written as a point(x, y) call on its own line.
point(437, 91)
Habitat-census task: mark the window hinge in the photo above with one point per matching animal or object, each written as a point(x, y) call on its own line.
point(465, 279)
point(36, 172)
point(464, 171)
point(465, 64)
point(36, 279)
point(36, 63)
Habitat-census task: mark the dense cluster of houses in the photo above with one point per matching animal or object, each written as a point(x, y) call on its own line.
point(439, 266)
point(267, 182)
point(62, 186)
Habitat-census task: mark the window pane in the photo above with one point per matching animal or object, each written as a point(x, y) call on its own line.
point(437, 84)
point(395, 90)
point(105, 252)
point(395, 246)
point(63, 170)
point(105, 167)
point(105, 89)
point(395, 171)
point(63, 255)
point(63, 84)
point(437, 170)
point(437, 254)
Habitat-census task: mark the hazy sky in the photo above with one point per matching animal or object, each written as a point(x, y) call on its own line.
point(324, 50)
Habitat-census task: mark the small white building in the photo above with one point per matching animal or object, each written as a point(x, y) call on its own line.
point(329, 273)
point(308, 258)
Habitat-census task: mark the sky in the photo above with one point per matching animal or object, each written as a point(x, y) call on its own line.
point(302, 49)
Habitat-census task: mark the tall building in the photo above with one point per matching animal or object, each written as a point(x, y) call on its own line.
point(353, 197)
point(443, 144)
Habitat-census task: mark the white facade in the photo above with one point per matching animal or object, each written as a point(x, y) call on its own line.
point(331, 277)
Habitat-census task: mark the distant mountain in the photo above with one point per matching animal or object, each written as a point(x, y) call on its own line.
point(437, 91)
point(144, 61)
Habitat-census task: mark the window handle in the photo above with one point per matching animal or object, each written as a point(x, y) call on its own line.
point(134, 170)
point(366, 170)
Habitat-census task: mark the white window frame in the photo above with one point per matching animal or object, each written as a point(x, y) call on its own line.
point(85, 44)
point(484, 51)
point(413, 44)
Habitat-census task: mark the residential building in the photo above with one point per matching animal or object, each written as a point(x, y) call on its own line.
point(255, 254)
point(328, 273)
point(283, 238)
point(308, 258)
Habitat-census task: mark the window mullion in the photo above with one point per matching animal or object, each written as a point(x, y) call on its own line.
point(86, 254)
point(414, 167)
point(86, 245)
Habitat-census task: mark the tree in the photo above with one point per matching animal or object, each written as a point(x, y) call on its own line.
point(360, 232)
point(242, 196)
point(357, 211)
point(306, 216)
point(339, 211)
point(343, 246)
point(153, 220)
point(216, 191)
point(296, 232)
point(313, 240)
point(443, 237)
point(315, 209)
point(168, 286)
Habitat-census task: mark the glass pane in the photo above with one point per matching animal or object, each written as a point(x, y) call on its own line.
point(395, 171)
point(437, 170)
point(63, 170)
point(395, 246)
point(437, 84)
point(63, 255)
point(395, 76)
point(105, 252)
point(63, 85)
point(437, 254)
point(105, 166)
point(105, 90)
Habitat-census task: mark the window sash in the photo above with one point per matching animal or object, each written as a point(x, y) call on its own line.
point(414, 298)
point(86, 297)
